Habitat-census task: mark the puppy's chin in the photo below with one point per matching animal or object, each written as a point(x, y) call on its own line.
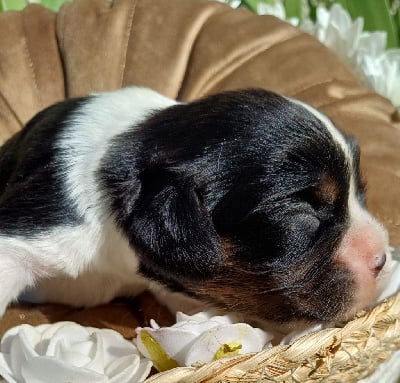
point(368, 291)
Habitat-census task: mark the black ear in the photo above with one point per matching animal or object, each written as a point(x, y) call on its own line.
point(172, 229)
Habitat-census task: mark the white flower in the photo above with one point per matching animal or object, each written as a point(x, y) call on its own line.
point(297, 334)
point(67, 352)
point(393, 278)
point(198, 338)
point(382, 73)
point(232, 3)
point(276, 9)
point(363, 51)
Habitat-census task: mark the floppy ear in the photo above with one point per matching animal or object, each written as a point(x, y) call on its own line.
point(172, 229)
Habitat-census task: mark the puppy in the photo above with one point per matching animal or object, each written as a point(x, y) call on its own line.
point(247, 200)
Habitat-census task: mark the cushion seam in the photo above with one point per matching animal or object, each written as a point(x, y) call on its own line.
point(215, 11)
point(234, 63)
point(350, 97)
point(31, 65)
point(128, 35)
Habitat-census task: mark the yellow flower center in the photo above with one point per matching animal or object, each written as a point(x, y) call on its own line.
point(227, 349)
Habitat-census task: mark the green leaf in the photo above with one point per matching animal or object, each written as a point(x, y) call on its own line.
point(396, 18)
point(16, 5)
point(343, 3)
point(293, 8)
point(377, 17)
point(252, 4)
point(398, 26)
point(53, 4)
point(313, 12)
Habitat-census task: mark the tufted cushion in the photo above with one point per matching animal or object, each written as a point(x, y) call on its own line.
point(185, 49)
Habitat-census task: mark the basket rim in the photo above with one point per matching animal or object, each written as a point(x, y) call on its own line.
point(346, 354)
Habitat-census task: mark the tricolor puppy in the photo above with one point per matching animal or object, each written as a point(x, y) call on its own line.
point(247, 200)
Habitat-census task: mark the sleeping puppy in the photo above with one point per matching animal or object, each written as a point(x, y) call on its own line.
point(247, 200)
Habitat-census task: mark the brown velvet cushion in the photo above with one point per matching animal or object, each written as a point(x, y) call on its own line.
point(185, 49)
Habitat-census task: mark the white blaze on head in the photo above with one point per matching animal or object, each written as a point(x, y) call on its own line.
point(365, 242)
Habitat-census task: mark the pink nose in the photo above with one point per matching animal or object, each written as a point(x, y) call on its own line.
point(378, 263)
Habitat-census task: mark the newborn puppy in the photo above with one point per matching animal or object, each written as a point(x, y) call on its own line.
point(247, 200)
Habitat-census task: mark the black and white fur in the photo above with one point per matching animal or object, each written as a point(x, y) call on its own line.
point(247, 200)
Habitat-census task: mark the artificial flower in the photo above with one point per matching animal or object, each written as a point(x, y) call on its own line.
point(276, 9)
point(392, 285)
point(382, 73)
point(67, 352)
point(232, 3)
point(363, 51)
point(199, 338)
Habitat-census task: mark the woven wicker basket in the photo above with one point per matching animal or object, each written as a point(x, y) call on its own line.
point(345, 354)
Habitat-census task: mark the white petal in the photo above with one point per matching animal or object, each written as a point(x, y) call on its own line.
point(199, 317)
point(240, 335)
point(309, 27)
point(225, 319)
point(128, 369)
point(294, 335)
point(5, 370)
point(28, 339)
point(20, 351)
point(144, 370)
point(277, 9)
point(115, 346)
point(50, 370)
point(265, 337)
point(373, 42)
point(196, 327)
point(205, 316)
point(48, 330)
point(97, 362)
point(66, 333)
point(175, 342)
point(295, 21)
point(30, 331)
point(121, 365)
point(235, 3)
point(340, 17)
point(323, 16)
point(154, 324)
point(352, 37)
point(85, 347)
point(69, 356)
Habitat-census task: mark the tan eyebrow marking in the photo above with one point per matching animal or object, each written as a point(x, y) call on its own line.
point(327, 189)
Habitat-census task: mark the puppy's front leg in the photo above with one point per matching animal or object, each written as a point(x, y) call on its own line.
point(17, 270)
point(57, 252)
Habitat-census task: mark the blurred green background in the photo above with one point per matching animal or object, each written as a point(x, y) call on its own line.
point(379, 15)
